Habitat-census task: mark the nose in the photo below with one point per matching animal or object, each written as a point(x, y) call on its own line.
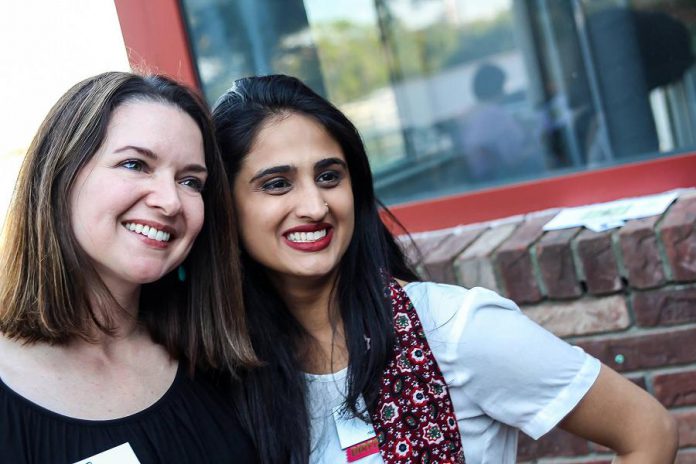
point(164, 196)
point(311, 204)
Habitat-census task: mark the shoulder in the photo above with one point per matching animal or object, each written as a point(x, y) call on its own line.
point(451, 308)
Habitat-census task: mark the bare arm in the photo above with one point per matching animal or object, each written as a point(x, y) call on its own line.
point(620, 415)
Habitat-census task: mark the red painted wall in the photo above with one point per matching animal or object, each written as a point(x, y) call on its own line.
point(155, 36)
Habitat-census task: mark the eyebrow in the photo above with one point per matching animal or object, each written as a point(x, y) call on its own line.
point(325, 163)
point(289, 168)
point(193, 167)
point(274, 170)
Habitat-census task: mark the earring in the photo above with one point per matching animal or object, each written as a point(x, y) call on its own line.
point(181, 273)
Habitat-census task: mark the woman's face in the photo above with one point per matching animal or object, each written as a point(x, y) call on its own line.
point(294, 199)
point(136, 205)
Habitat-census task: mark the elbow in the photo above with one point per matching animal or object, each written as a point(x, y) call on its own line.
point(657, 444)
point(665, 438)
point(670, 432)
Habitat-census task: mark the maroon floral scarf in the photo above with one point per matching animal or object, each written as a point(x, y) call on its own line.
point(414, 419)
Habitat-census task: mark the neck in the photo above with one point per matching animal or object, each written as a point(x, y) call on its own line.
point(119, 313)
point(313, 304)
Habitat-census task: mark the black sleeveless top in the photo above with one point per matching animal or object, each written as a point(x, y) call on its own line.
point(193, 422)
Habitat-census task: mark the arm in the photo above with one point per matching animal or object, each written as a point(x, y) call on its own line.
point(618, 414)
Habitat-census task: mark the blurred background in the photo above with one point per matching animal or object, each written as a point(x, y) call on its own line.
point(452, 97)
point(458, 95)
point(45, 48)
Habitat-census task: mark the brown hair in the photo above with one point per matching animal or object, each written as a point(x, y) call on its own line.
point(48, 288)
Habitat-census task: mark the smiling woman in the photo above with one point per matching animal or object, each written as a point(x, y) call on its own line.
point(106, 350)
point(374, 365)
point(295, 200)
point(149, 172)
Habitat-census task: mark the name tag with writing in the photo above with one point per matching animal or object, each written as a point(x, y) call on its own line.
point(351, 429)
point(122, 454)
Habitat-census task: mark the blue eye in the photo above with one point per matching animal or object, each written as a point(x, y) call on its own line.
point(133, 165)
point(194, 183)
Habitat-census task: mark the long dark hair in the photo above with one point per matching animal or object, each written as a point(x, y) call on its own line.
point(279, 423)
point(48, 287)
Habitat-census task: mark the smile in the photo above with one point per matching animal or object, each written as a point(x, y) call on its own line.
point(306, 237)
point(148, 231)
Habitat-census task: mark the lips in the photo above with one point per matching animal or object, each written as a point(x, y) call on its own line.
point(155, 234)
point(309, 237)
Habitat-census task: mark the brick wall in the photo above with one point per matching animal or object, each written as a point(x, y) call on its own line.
point(626, 296)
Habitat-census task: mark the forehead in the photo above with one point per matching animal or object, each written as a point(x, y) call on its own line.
point(163, 128)
point(293, 139)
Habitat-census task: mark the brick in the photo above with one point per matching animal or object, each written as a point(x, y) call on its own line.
point(439, 263)
point(676, 388)
point(686, 425)
point(598, 262)
point(581, 317)
point(415, 247)
point(644, 351)
point(665, 306)
point(474, 267)
point(641, 256)
point(514, 261)
point(597, 448)
point(593, 460)
point(678, 234)
point(555, 443)
point(686, 457)
point(556, 264)
point(638, 380)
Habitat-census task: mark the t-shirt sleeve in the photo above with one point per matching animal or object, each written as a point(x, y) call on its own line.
point(516, 372)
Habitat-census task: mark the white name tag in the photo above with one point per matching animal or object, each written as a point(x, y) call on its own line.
point(351, 429)
point(122, 454)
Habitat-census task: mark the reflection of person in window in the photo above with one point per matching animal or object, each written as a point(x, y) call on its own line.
point(495, 144)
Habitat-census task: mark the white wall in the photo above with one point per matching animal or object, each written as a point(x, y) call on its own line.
point(46, 46)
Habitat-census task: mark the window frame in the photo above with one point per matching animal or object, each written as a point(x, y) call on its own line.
point(155, 36)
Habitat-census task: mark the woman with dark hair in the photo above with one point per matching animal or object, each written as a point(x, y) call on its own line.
point(362, 361)
point(118, 284)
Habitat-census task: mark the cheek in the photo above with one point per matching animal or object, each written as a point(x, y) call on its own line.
point(195, 215)
point(251, 228)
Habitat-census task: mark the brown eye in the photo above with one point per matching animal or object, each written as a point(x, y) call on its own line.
point(329, 178)
point(276, 186)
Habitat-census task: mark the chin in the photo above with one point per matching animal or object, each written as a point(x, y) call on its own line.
point(147, 276)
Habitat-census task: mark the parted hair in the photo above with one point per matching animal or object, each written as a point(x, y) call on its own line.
point(49, 290)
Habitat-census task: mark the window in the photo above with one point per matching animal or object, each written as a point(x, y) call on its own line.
point(458, 95)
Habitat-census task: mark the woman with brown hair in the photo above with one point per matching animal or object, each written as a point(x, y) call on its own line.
point(118, 284)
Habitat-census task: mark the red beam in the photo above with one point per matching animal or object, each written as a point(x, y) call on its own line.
point(156, 40)
point(635, 179)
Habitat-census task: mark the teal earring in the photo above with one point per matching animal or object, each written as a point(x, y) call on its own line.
point(181, 273)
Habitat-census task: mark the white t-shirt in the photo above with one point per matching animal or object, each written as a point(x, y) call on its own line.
point(504, 373)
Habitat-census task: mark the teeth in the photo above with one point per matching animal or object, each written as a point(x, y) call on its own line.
point(149, 232)
point(304, 237)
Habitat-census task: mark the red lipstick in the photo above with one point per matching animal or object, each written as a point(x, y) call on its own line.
point(313, 246)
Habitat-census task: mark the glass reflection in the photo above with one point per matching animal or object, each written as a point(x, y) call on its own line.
point(458, 95)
